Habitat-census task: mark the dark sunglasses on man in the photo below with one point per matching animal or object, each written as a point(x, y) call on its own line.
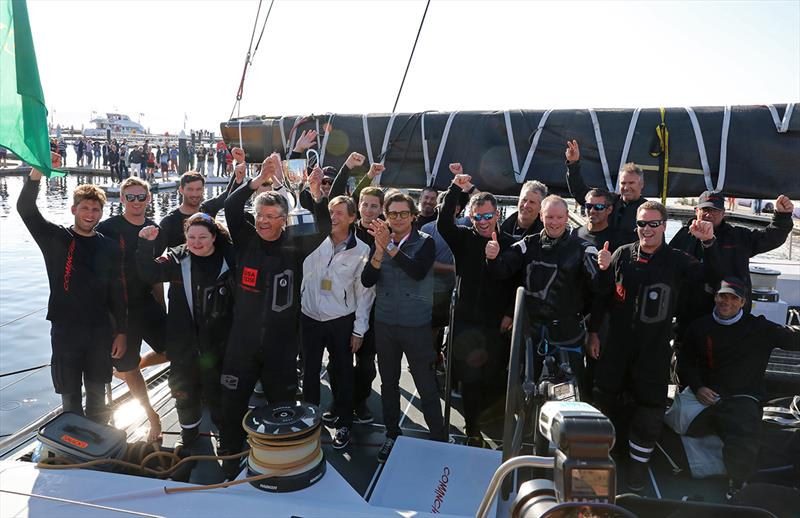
point(137, 197)
point(486, 217)
point(653, 223)
point(403, 214)
point(595, 206)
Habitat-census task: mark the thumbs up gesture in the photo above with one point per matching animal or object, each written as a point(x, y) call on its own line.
point(492, 247)
point(604, 257)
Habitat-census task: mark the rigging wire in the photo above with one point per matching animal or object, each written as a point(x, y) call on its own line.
point(408, 65)
point(248, 60)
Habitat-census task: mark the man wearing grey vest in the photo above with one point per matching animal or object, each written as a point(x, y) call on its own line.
point(401, 268)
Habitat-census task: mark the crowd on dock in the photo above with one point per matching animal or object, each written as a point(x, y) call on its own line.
point(123, 159)
point(375, 282)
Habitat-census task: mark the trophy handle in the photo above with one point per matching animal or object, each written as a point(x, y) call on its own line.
point(312, 158)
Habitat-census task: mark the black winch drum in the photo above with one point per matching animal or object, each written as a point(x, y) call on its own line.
point(285, 438)
point(80, 439)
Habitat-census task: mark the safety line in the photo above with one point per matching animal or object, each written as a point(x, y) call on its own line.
point(408, 65)
point(23, 316)
point(75, 502)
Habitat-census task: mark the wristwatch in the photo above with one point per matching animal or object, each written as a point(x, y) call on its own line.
point(390, 247)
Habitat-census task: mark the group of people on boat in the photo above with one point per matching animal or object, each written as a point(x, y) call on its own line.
point(375, 282)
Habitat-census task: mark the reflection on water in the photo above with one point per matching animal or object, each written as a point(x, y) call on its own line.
point(24, 332)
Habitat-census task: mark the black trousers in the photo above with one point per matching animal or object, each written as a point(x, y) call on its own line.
point(335, 336)
point(365, 371)
point(477, 364)
point(193, 380)
point(392, 342)
point(273, 363)
point(737, 421)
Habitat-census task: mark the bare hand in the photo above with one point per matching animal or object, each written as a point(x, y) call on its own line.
point(307, 139)
point(506, 323)
point(355, 343)
point(604, 257)
point(456, 168)
point(354, 160)
point(118, 346)
point(492, 247)
point(573, 152)
point(463, 181)
point(702, 230)
point(375, 170)
point(315, 183)
point(706, 396)
point(239, 171)
point(55, 158)
point(238, 155)
point(782, 204)
point(592, 345)
point(150, 232)
point(379, 230)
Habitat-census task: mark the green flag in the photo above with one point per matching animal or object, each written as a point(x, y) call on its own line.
point(23, 115)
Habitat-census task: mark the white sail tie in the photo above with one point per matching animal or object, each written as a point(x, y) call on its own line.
point(781, 125)
point(601, 149)
point(521, 174)
point(431, 173)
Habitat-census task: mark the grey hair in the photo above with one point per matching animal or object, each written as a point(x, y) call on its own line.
point(535, 186)
point(271, 199)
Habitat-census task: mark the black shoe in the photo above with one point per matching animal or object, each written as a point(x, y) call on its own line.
point(328, 417)
point(362, 415)
point(477, 441)
point(342, 438)
point(637, 475)
point(231, 468)
point(734, 486)
point(385, 450)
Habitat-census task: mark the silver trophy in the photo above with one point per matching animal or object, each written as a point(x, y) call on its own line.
point(300, 221)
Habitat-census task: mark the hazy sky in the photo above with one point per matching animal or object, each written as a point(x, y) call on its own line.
point(166, 58)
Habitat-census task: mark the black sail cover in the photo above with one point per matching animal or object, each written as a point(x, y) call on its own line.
point(746, 151)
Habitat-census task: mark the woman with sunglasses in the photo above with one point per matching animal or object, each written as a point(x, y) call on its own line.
point(199, 314)
point(640, 292)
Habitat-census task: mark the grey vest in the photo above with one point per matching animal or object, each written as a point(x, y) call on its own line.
point(399, 299)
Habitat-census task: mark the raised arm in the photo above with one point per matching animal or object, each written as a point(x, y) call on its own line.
point(446, 221)
point(37, 225)
point(577, 186)
point(339, 185)
point(775, 234)
point(217, 203)
point(151, 269)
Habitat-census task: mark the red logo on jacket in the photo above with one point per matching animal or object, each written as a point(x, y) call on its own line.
point(249, 276)
point(619, 293)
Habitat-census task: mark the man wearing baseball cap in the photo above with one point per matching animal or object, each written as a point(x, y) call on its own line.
point(723, 359)
point(736, 245)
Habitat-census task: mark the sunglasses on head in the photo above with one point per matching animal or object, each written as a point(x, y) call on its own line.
point(486, 217)
point(200, 215)
point(137, 197)
point(654, 223)
point(403, 214)
point(595, 206)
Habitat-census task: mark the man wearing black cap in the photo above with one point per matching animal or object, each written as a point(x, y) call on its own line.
point(736, 246)
point(723, 360)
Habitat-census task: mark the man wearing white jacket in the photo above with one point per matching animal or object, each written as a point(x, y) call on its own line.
point(335, 312)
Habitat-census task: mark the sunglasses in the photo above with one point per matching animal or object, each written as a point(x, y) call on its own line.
point(137, 197)
point(403, 214)
point(595, 206)
point(485, 217)
point(327, 182)
point(654, 223)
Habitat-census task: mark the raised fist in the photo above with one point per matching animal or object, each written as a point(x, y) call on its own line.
point(464, 181)
point(784, 204)
point(375, 170)
point(354, 160)
point(702, 230)
point(150, 232)
point(238, 155)
point(456, 168)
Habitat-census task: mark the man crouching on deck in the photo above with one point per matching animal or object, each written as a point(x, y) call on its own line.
point(87, 306)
